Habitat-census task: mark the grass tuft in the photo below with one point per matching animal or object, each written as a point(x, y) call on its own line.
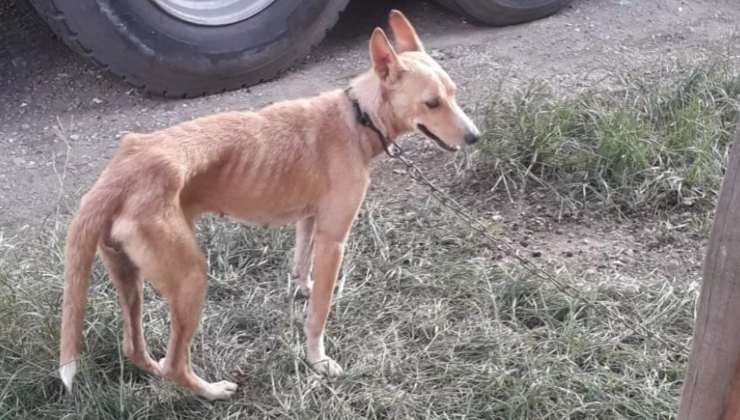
point(638, 146)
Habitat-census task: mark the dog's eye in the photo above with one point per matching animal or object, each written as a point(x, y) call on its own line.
point(432, 103)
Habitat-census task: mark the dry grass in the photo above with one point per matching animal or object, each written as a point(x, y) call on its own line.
point(427, 327)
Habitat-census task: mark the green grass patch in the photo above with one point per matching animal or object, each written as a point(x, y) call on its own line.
point(641, 145)
point(427, 327)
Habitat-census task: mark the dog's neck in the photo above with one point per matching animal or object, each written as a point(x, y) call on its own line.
point(367, 91)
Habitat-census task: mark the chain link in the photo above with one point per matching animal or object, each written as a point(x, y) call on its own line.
point(418, 176)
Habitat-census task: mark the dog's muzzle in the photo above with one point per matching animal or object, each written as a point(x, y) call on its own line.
point(436, 139)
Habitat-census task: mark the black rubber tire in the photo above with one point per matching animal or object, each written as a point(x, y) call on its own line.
point(150, 49)
point(504, 12)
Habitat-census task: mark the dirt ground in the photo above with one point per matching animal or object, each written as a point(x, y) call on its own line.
point(60, 117)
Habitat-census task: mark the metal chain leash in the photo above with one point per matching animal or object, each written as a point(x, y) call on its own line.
point(418, 176)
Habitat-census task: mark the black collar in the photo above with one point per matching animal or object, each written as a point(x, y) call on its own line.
point(363, 118)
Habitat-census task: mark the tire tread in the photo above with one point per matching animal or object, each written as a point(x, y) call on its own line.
point(57, 21)
point(493, 12)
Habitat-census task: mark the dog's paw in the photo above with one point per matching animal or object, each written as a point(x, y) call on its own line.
point(303, 292)
point(160, 365)
point(327, 367)
point(149, 365)
point(304, 286)
point(219, 390)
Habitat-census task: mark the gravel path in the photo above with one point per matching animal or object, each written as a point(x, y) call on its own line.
point(60, 117)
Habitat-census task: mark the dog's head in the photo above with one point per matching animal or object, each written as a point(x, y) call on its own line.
point(419, 93)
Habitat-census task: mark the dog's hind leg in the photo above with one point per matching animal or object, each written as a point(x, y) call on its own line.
point(304, 232)
point(130, 285)
point(169, 257)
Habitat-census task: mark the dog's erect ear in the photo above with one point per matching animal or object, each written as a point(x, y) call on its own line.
point(404, 33)
point(382, 53)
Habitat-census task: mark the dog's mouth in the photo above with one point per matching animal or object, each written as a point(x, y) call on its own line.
point(436, 139)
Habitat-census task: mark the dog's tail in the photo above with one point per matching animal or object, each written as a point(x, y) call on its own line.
point(94, 215)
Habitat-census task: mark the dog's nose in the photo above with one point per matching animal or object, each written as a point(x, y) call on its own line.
point(472, 138)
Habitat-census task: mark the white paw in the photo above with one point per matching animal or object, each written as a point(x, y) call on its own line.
point(219, 390)
point(161, 364)
point(327, 367)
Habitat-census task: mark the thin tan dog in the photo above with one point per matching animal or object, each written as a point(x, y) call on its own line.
point(303, 161)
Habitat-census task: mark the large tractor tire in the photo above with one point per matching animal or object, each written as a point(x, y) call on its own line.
point(185, 48)
point(504, 12)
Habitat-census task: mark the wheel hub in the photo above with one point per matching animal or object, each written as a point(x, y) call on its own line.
point(212, 12)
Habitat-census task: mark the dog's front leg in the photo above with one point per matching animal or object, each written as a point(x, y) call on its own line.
point(327, 260)
point(303, 256)
point(333, 223)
